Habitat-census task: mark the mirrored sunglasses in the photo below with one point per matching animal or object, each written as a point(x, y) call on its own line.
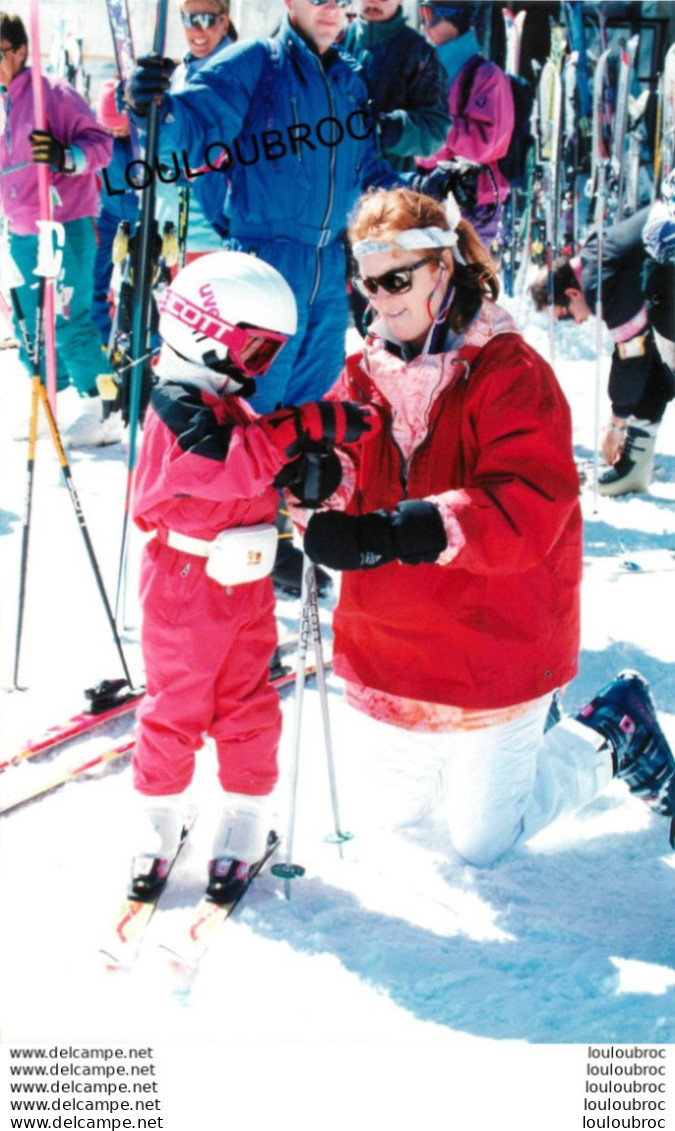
point(395, 282)
point(203, 20)
point(340, 3)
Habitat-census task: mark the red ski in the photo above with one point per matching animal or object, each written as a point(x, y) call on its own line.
point(124, 747)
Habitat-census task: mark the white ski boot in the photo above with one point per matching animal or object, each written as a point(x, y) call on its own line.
point(240, 841)
point(159, 829)
point(90, 429)
point(632, 472)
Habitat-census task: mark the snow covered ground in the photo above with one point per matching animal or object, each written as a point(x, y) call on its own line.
point(382, 990)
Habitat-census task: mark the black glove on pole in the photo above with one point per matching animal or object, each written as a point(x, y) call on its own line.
point(413, 534)
point(312, 477)
point(149, 82)
point(48, 150)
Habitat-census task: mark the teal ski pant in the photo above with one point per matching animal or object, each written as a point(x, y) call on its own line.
point(79, 357)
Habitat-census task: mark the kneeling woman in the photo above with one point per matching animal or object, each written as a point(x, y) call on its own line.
point(458, 529)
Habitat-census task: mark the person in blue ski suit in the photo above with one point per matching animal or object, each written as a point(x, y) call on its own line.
point(289, 116)
point(206, 44)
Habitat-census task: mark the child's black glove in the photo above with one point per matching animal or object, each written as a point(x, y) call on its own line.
point(311, 478)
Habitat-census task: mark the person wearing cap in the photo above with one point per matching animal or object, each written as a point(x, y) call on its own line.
point(641, 383)
point(407, 84)
point(481, 110)
point(458, 532)
point(121, 205)
point(74, 146)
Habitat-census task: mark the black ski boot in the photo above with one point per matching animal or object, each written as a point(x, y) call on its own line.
point(623, 712)
point(148, 876)
point(228, 879)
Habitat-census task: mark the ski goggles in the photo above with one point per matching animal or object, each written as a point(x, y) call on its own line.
point(203, 20)
point(253, 350)
point(340, 3)
point(396, 282)
point(432, 14)
point(250, 348)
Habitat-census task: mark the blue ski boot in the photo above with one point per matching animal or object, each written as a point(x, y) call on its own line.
point(623, 712)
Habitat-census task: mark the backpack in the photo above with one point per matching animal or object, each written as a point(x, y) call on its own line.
point(512, 164)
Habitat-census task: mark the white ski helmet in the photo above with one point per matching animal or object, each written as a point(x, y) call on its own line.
point(228, 312)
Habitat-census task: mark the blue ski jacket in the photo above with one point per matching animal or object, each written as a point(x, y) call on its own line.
point(290, 130)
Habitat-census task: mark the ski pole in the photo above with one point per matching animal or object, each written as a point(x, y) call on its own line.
point(35, 355)
point(600, 228)
point(288, 870)
point(45, 201)
point(140, 331)
point(338, 836)
point(40, 395)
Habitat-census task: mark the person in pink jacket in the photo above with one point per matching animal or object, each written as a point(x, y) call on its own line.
point(205, 491)
point(74, 146)
point(458, 531)
point(481, 110)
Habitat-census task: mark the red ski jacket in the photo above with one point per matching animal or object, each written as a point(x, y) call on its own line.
point(497, 624)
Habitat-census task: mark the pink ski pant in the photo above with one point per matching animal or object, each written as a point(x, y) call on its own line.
point(207, 650)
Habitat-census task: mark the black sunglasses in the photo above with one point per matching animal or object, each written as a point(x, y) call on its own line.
point(395, 282)
point(340, 3)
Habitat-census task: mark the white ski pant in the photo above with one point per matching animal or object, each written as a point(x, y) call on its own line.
point(496, 786)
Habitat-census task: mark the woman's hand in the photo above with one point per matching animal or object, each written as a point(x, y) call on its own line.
point(413, 533)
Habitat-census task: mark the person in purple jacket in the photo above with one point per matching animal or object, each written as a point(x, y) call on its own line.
point(74, 146)
point(481, 109)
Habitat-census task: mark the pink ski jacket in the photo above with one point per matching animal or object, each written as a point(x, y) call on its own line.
point(205, 465)
point(70, 120)
point(481, 128)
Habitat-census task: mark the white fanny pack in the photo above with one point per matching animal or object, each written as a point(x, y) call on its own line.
point(245, 553)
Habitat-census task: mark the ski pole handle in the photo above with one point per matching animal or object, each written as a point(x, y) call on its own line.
point(51, 240)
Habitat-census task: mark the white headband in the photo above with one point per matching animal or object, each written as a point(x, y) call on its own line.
point(416, 239)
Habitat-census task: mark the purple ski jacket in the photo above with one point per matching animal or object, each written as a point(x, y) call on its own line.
point(481, 128)
point(69, 119)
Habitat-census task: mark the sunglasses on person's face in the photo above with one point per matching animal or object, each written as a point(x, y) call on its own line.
point(395, 282)
point(5, 51)
point(340, 3)
point(203, 20)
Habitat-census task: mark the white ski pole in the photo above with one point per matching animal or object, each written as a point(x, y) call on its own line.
point(309, 623)
point(288, 870)
point(337, 836)
point(600, 227)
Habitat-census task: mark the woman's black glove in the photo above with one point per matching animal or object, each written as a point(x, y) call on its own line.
point(311, 478)
point(149, 81)
point(412, 533)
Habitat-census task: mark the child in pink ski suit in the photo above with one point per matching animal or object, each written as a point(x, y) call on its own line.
point(207, 466)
